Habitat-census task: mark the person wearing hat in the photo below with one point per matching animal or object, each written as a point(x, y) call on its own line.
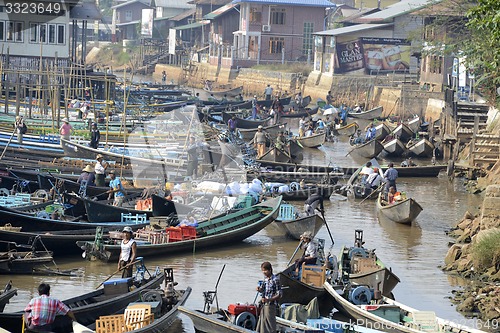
point(117, 189)
point(21, 128)
point(259, 141)
point(128, 252)
point(87, 175)
point(95, 136)
point(313, 202)
point(100, 171)
point(310, 251)
point(65, 130)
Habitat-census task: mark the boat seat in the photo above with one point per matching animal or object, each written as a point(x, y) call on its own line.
point(425, 321)
point(147, 307)
point(110, 324)
point(133, 218)
point(287, 212)
point(136, 318)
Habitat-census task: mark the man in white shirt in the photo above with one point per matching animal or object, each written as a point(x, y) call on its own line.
point(365, 172)
point(268, 92)
point(374, 179)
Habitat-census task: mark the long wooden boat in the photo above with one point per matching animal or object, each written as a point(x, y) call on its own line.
point(24, 262)
point(312, 141)
point(404, 211)
point(414, 124)
point(395, 147)
point(164, 207)
point(419, 170)
point(33, 223)
point(229, 107)
point(233, 92)
point(304, 193)
point(7, 293)
point(104, 211)
point(368, 149)
point(88, 307)
point(368, 114)
point(359, 190)
point(403, 132)
point(273, 130)
point(348, 129)
point(381, 131)
point(245, 123)
point(58, 242)
point(219, 231)
point(294, 225)
point(301, 113)
point(421, 148)
point(407, 321)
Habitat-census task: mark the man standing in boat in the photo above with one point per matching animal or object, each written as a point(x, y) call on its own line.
point(232, 124)
point(95, 136)
point(117, 189)
point(259, 141)
point(271, 293)
point(390, 176)
point(128, 252)
point(41, 311)
point(100, 171)
point(268, 92)
point(315, 201)
point(254, 107)
point(65, 129)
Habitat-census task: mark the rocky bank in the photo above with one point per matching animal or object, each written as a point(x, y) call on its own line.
point(482, 297)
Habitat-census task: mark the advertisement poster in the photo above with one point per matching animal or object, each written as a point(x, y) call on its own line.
point(147, 23)
point(373, 55)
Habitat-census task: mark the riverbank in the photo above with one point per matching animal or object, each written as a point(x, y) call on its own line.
point(475, 255)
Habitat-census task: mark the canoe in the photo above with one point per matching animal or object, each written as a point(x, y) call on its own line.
point(421, 148)
point(89, 306)
point(292, 224)
point(368, 114)
point(14, 262)
point(414, 124)
point(361, 191)
point(273, 130)
point(233, 92)
point(368, 149)
point(304, 193)
point(395, 147)
point(402, 319)
point(348, 129)
point(301, 113)
point(381, 131)
point(404, 211)
point(245, 123)
point(312, 141)
point(7, 293)
point(104, 211)
point(220, 231)
point(419, 170)
point(403, 132)
point(33, 223)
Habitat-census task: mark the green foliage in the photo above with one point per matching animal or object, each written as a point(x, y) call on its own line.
point(486, 252)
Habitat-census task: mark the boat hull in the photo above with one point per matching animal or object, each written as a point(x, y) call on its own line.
point(395, 147)
point(422, 148)
point(404, 211)
point(369, 149)
point(369, 114)
point(312, 141)
point(294, 228)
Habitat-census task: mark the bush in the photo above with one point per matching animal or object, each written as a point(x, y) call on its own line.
point(486, 252)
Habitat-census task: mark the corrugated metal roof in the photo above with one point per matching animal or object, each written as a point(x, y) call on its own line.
point(308, 3)
point(183, 15)
point(397, 9)
point(123, 4)
point(350, 29)
point(219, 11)
point(192, 25)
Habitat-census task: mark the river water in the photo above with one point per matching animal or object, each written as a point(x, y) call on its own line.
point(413, 252)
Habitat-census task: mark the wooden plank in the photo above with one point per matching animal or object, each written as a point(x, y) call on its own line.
point(234, 224)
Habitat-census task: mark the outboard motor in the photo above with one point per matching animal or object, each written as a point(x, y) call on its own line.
point(170, 297)
point(243, 315)
point(360, 295)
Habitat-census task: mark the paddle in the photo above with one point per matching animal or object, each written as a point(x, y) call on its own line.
point(109, 277)
point(327, 227)
point(294, 253)
point(374, 191)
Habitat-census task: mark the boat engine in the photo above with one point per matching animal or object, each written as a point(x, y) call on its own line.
point(360, 295)
point(170, 297)
point(244, 315)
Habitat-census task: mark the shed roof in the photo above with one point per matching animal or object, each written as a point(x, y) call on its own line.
point(127, 3)
point(352, 28)
point(397, 9)
point(192, 25)
point(309, 3)
point(220, 11)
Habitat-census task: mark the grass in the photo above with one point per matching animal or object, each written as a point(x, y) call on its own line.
point(486, 252)
point(296, 67)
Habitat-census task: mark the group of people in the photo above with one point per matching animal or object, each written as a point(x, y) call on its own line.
point(371, 178)
point(307, 127)
point(369, 134)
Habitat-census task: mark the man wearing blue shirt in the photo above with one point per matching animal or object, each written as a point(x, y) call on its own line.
point(116, 187)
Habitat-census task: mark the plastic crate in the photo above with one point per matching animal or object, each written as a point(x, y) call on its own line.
point(174, 234)
point(188, 232)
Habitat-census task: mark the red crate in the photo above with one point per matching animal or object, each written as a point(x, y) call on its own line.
point(188, 232)
point(174, 234)
point(236, 309)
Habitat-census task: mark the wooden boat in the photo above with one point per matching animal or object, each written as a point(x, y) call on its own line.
point(104, 211)
point(293, 167)
point(403, 319)
point(233, 92)
point(33, 223)
point(348, 129)
point(24, 262)
point(381, 131)
point(368, 149)
point(164, 207)
point(359, 266)
point(421, 148)
point(301, 113)
point(404, 211)
point(291, 153)
point(403, 132)
point(245, 123)
point(395, 147)
point(330, 178)
point(293, 224)
point(107, 300)
point(312, 141)
point(368, 114)
point(414, 124)
point(7, 293)
point(304, 193)
point(248, 134)
point(419, 170)
point(219, 231)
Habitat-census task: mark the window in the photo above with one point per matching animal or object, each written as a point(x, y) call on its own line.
point(10, 31)
point(307, 42)
point(33, 33)
point(43, 33)
point(19, 27)
point(61, 34)
point(128, 15)
point(276, 45)
point(255, 15)
point(277, 15)
point(52, 33)
point(2, 30)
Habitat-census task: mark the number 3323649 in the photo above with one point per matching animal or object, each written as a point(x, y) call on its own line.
point(37, 8)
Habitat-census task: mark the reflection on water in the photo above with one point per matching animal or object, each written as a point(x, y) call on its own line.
point(413, 252)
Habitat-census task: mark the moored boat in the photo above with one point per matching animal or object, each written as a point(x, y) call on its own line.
point(294, 224)
point(312, 141)
point(368, 149)
point(248, 134)
point(403, 132)
point(404, 211)
point(368, 114)
point(348, 129)
point(394, 147)
point(7, 293)
point(14, 262)
point(421, 148)
point(245, 123)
